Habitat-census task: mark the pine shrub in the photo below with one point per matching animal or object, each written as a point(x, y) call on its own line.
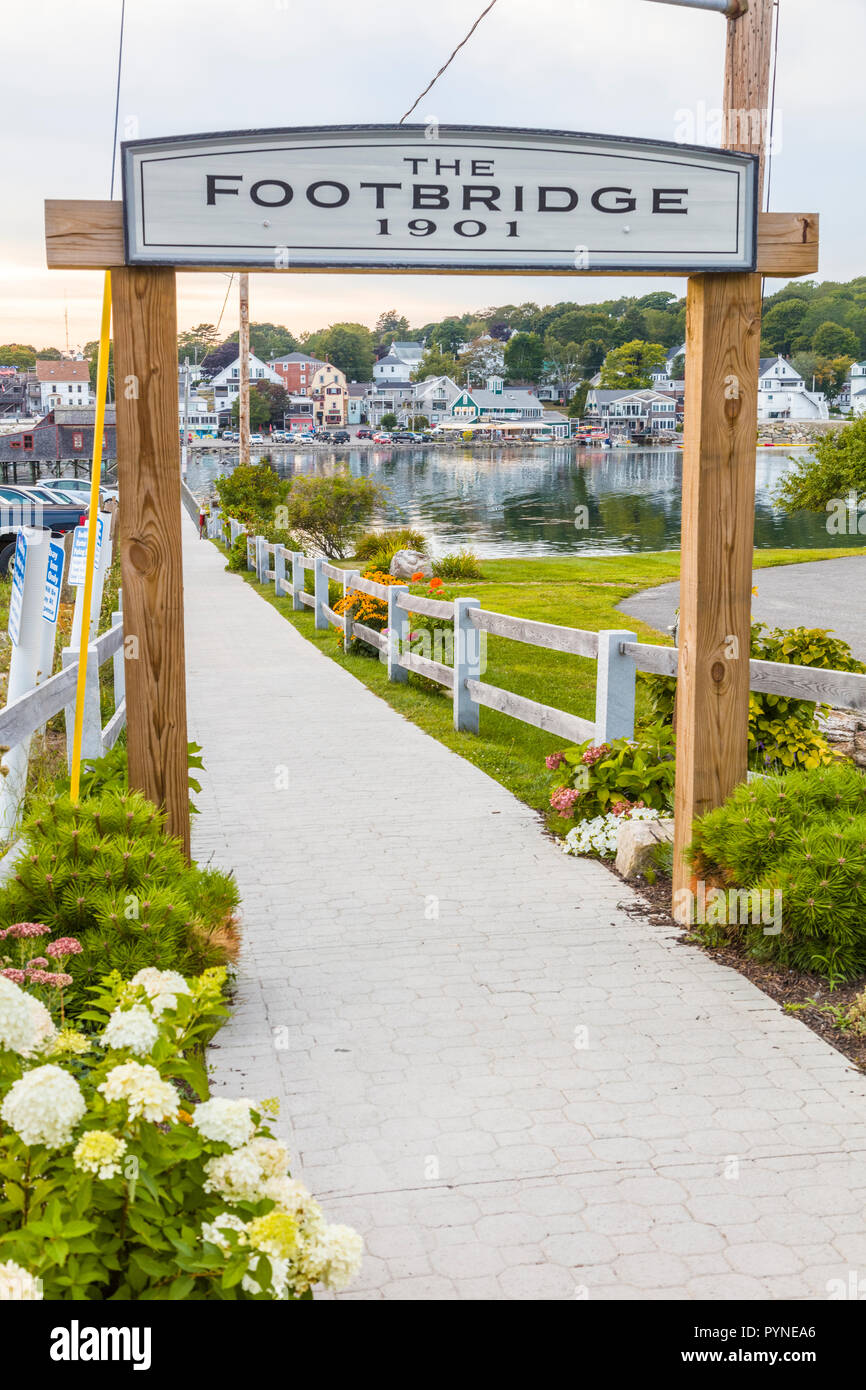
point(106, 872)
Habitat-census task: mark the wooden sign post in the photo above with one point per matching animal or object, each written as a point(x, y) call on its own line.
point(475, 201)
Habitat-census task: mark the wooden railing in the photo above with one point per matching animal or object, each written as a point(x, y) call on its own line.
point(617, 652)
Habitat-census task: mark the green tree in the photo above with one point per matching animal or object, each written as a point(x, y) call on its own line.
point(49, 354)
point(830, 374)
point(631, 327)
point(524, 357)
point(196, 343)
point(481, 360)
point(782, 323)
point(578, 401)
point(348, 346)
point(278, 400)
point(593, 352)
point(329, 512)
point(389, 420)
point(631, 365)
point(260, 409)
point(678, 367)
point(832, 340)
point(447, 336)
point(251, 493)
point(20, 355)
point(391, 327)
point(563, 365)
point(434, 363)
point(835, 467)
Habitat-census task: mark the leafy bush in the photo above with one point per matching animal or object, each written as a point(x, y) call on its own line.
point(782, 731)
point(251, 493)
point(375, 544)
point(327, 512)
point(593, 779)
point(599, 835)
point(237, 561)
point(835, 466)
point(803, 835)
point(462, 565)
point(105, 872)
point(115, 1186)
point(111, 773)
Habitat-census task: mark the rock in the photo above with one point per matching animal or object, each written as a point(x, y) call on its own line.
point(405, 563)
point(636, 842)
point(860, 742)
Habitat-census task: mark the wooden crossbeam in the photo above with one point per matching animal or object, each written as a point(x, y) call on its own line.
point(88, 235)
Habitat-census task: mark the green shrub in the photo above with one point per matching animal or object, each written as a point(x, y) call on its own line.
point(237, 561)
point(328, 512)
point(462, 565)
point(111, 773)
point(105, 872)
point(374, 545)
point(802, 835)
point(118, 1187)
point(782, 731)
point(251, 493)
point(590, 779)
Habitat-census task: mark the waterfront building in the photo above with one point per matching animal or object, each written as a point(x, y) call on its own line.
point(65, 382)
point(782, 394)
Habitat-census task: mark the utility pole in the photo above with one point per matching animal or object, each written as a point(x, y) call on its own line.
point(244, 352)
point(723, 337)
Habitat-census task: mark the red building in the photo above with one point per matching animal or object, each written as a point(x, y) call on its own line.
point(297, 371)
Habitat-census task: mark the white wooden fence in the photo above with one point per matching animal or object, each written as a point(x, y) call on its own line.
point(617, 652)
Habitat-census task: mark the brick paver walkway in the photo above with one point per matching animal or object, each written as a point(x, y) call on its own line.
point(510, 1086)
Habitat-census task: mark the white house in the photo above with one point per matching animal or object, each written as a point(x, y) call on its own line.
point(399, 362)
point(782, 394)
point(675, 352)
point(64, 382)
point(226, 384)
point(494, 404)
point(641, 410)
point(434, 397)
point(857, 388)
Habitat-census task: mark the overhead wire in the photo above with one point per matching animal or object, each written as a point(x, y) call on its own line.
point(448, 62)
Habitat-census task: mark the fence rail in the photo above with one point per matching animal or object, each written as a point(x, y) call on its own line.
point(617, 652)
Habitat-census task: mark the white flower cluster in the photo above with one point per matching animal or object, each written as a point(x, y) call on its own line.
point(131, 1030)
point(162, 987)
point(44, 1106)
point(25, 1023)
point(144, 1091)
point(17, 1284)
point(599, 835)
point(225, 1121)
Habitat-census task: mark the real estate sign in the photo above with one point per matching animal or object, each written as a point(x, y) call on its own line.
point(439, 198)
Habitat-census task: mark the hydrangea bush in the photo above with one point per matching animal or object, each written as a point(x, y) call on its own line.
point(599, 835)
point(591, 779)
point(115, 1184)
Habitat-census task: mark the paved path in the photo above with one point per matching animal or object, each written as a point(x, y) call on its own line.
point(531, 1094)
point(822, 593)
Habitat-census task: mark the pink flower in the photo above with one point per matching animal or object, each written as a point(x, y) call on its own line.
point(38, 963)
point(594, 752)
point(64, 946)
point(16, 976)
point(563, 799)
point(45, 977)
point(554, 760)
point(22, 929)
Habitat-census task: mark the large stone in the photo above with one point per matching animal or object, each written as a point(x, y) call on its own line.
point(405, 563)
point(636, 843)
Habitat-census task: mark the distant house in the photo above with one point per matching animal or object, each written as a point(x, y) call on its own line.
point(296, 370)
point(356, 401)
point(641, 410)
point(675, 352)
point(857, 388)
point(782, 394)
point(399, 362)
point(496, 403)
point(65, 382)
point(65, 433)
point(390, 398)
point(434, 396)
point(226, 385)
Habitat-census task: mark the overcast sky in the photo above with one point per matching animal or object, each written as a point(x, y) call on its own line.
point(625, 67)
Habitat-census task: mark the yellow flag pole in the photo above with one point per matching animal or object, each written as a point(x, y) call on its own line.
point(92, 521)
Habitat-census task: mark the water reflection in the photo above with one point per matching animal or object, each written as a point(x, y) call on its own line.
point(526, 502)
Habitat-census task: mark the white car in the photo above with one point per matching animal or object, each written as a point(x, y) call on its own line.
point(257, 439)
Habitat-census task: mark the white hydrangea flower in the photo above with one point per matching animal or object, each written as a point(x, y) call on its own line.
point(131, 1030)
point(336, 1256)
point(17, 1284)
point(271, 1155)
point(279, 1285)
point(143, 1089)
point(43, 1025)
point(237, 1176)
point(99, 1152)
point(44, 1106)
point(18, 1027)
point(225, 1121)
point(212, 1231)
point(290, 1196)
point(600, 834)
point(162, 987)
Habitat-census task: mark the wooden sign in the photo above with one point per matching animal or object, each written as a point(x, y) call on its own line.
point(438, 198)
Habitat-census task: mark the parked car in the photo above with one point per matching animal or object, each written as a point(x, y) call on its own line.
point(381, 438)
point(257, 439)
point(340, 437)
point(403, 437)
point(21, 507)
point(365, 433)
point(279, 436)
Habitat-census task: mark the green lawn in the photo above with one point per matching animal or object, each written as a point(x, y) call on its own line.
point(572, 592)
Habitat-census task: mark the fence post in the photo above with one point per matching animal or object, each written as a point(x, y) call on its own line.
point(615, 687)
point(398, 622)
point(261, 560)
point(467, 664)
point(320, 593)
point(279, 570)
point(297, 580)
point(118, 664)
point(348, 580)
point(91, 741)
point(25, 623)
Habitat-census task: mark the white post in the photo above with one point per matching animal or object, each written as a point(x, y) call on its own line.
point(615, 687)
point(91, 738)
point(348, 581)
point(118, 664)
point(261, 559)
point(467, 665)
point(297, 580)
point(251, 553)
point(76, 578)
point(398, 624)
point(29, 571)
point(279, 570)
point(320, 593)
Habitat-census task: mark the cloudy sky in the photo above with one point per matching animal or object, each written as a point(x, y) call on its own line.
point(625, 67)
